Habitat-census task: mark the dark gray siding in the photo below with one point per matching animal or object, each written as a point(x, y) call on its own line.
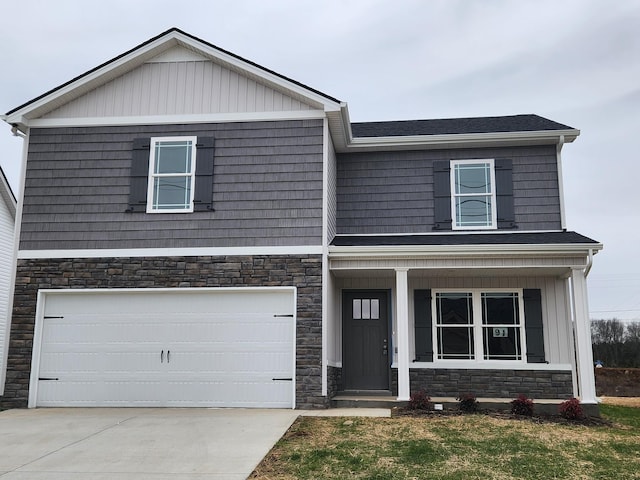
point(392, 192)
point(267, 188)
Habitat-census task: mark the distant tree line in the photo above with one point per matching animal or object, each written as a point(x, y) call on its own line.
point(616, 343)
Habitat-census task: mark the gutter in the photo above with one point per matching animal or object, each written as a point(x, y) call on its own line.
point(453, 140)
point(469, 250)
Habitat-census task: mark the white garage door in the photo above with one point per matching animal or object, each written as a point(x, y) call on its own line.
point(178, 348)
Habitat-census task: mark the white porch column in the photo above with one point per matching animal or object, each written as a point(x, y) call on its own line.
point(402, 322)
point(586, 377)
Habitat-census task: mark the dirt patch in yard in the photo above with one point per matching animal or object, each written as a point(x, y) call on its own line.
point(618, 382)
point(622, 401)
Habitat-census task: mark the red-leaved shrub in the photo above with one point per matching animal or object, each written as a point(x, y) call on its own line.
point(420, 401)
point(522, 406)
point(571, 409)
point(468, 403)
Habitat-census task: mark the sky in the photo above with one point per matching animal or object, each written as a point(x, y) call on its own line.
point(573, 61)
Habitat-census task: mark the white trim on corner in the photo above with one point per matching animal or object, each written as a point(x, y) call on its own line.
point(325, 256)
point(170, 252)
point(175, 119)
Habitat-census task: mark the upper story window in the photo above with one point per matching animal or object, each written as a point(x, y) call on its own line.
point(172, 166)
point(171, 174)
point(473, 194)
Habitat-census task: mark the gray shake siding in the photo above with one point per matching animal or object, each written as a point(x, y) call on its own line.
point(392, 192)
point(267, 188)
point(301, 271)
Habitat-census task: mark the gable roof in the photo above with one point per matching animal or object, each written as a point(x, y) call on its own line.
point(347, 137)
point(153, 47)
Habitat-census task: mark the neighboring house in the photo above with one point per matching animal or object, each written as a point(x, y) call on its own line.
point(7, 221)
point(197, 230)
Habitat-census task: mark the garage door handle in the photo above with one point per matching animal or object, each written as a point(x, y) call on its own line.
point(282, 379)
point(162, 356)
point(168, 356)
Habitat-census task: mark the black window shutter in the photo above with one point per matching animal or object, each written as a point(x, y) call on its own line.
point(139, 175)
point(442, 195)
point(533, 325)
point(203, 195)
point(423, 334)
point(504, 193)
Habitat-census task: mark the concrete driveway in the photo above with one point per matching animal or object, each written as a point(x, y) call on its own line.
point(142, 444)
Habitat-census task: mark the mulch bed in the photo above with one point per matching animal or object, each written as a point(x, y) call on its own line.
point(536, 418)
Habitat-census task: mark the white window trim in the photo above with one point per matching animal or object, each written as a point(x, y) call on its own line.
point(452, 179)
point(478, 347)
point(152, 176)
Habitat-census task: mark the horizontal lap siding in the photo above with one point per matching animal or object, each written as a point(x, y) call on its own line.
point(392, 192)
point(267, 189)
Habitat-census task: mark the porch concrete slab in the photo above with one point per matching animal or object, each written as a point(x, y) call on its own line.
point(119, 444)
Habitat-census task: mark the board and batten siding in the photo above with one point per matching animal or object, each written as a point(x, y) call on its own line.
point(267, 188)
point(171, 88)
point(392, 192)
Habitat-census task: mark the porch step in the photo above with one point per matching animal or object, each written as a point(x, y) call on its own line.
point(366, 401)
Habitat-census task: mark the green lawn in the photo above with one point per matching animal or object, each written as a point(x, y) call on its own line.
point(456, 447)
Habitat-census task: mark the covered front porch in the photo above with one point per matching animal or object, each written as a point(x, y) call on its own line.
point(495, 321)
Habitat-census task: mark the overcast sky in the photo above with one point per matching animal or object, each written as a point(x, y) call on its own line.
point(576, 62)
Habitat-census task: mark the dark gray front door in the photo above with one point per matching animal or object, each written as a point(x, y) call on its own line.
point(365, 342)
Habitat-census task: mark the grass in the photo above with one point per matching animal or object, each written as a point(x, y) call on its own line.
point(456, 447)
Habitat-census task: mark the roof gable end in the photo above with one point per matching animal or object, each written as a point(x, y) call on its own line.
point(172, 45)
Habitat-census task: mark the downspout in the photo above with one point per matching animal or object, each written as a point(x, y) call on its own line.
point(563, 220)
point(587, 268)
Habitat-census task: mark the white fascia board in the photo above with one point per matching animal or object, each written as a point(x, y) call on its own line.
point(175, 119)
point(170, 252)
point(460, 139)
point(463, 250)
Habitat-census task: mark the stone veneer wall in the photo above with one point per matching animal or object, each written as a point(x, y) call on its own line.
point(547, 384)
point(334, 381)
point(301, 271)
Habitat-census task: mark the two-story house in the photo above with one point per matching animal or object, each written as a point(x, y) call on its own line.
point(198, 230)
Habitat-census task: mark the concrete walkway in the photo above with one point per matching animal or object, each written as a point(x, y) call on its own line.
point(142, 444)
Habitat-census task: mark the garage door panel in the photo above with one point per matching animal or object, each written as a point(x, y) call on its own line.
point(171, 348)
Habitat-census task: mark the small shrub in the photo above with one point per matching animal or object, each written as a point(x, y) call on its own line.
point(522, 406)
point(571, 409)
point(468, 403)
point(420, 401)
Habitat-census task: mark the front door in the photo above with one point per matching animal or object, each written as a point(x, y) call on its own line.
point(365, 340)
